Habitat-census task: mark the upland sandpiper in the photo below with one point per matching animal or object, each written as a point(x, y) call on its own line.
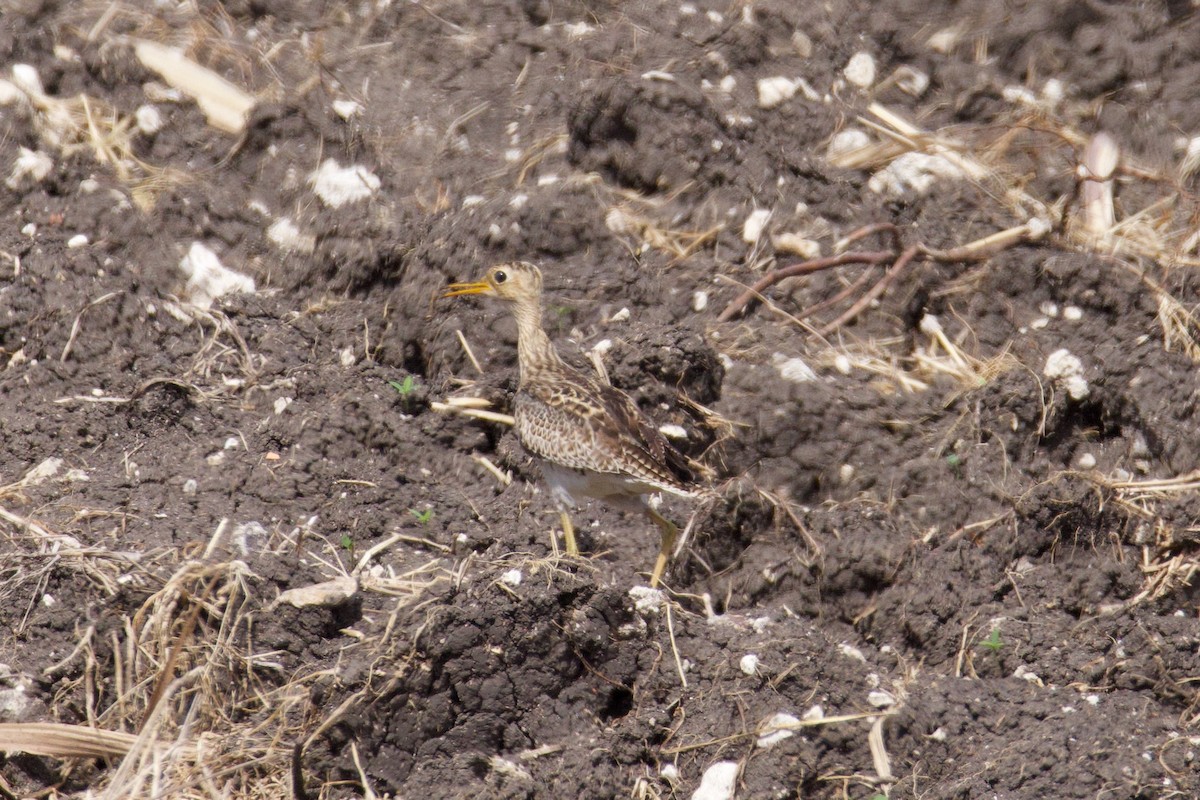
point(590, 437)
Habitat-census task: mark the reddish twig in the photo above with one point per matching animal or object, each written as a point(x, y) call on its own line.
point(875, 291)
point(803, 268)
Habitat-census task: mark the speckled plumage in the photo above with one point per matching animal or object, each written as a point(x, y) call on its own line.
point(591, 438)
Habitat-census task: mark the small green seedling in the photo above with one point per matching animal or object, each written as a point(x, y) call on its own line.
point(993, 642)
point(954, 462)
point(422, 516)
point(347, 544)
point(405, 387)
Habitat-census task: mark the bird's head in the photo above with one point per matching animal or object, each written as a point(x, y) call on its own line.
point(513, 282)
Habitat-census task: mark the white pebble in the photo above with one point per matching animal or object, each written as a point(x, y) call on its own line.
point(346, 357)
point(621, 316)
point(190, 486)
point(31, 166)
point(215, 459)
point(852, 652)
point(718, 782)
point(1054, 91)
point(1049, 309)
point(346, 109)
point(793, 369)
point(699, 300)
point(472, 200)
point(647, 600)
point(845, 142)
point(512, 578)
point(78, 240)
point(1066, 370)
point(29, 229)
point(930, 325)
point(841, 362)
point(208, 278)
point(48, 600)
point(26, 78)
point(669, 773)
point(9, 93)
point(1092, 699)
point(776, 729)
point(880, 699)
point(797, 245)
point(749, 664)
point(727, 84)
point(939, 735)
point(337, 185)
point(775, 91)
point(676, 432)
point(232, 443)
point(1072, 313)
point(913, 175)
point(802, 44)
point(846, 473)
point(756, 222)
point(1086, 461)
point(149, 119)
point(860, 70)
point(813, 714)
point(911, 80)
point(286, 235)
point(281, 404)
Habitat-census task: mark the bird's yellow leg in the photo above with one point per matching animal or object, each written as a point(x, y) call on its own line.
point(568, 533)
point(667, 544)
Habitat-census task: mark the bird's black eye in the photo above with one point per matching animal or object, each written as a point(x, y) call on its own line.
point(499, 276)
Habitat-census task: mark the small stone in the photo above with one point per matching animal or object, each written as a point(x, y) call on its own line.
point(647, 600)
point(802, 44)
point(860, 70)
point(1072, 313)
point(215, 459)
point(798, 245)
point(846, 142)
point(1086, 461)
point(880, 699)
point(793, 369)
point(749, 664)
point(328, 594)
point(148, 118)
point(286, 235)
point(48, 600)
point(814, 714)
point(512, 578)
point(77, 241)
point(336, 185)
point(1066, 370)
point(347, 109)
point(776, 729)
point(852, 652)
point(846, 473)
point(30, 167)
point(190, 486)
point(756, 222)
point(281, 404)
point(775, 91)
point(718, 782)
point(841, 363)
point(913, 174)
point(939, 735)
point(911, 80)
point(676, 432)
point(699, 300)
point(621, 316)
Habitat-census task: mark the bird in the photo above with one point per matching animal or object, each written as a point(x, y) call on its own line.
point(590, 437)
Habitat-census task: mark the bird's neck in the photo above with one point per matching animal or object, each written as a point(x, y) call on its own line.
point(535, 352)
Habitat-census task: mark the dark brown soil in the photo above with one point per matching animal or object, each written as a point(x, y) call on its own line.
point(975, 564)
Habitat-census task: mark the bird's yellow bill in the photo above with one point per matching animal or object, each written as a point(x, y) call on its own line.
point(460, 289)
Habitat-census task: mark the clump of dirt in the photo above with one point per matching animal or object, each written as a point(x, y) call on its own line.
point(284, 545)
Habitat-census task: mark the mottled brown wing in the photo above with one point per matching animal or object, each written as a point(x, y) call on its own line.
point(583, 424)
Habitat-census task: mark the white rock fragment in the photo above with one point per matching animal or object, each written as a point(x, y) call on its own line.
point(286, 235)
point(699, 300)
point(31, 166)
point(1092, 699)
point(1029, 676)
point(346, 357)
point(841, 362)
point(793, 369)
point(47, 468)
point(718, 782)
point(910, 80)
point(669, 773)
point(852, 652)
point(1066, 371)
point(622, 315)
point(472, 200)
point(939, 735)
point(913, 174)
point(814, 714)
point(1072, 313)
point(1054, 91)
point(846, 142)
point(749, 664)
point(798, 245)
point(775, 91)
point(802, 44)
point(776, 729)
point(10, 93)
point(77, 241)
point(860, 70)
point(1018, 95)
point(208, 278)
point(512, 578)
point(148, 119)
point(329, 593)
point(676, 432)
point(281, 404)
point(347, 109)
point(26, 78)
point(756, 222)
point(647, 600)
point(880, 698)
point(846, 473)
point(337, 185)
point(48, 600)
point(190, 486)
point(1086, 461)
